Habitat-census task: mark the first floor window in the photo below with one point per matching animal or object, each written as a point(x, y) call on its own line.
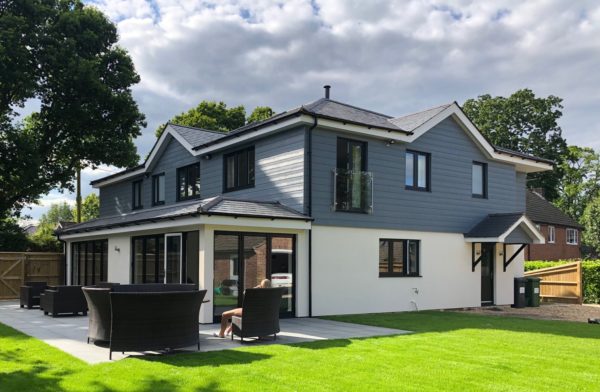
point(89, 262)
point(188, 182)
point(417, 171)
point(398, 257)
point(551, 234)
point(572, 236)
point(479, 180)
point(158, 189)
point(137, 195)
point(239, 169)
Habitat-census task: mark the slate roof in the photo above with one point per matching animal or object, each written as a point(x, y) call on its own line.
point(412, 121)
point(196, 136)
point(494, 225)
point(213, 206)
point(541, 210)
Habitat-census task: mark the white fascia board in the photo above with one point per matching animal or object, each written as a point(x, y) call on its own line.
point(528, 226)
point(483, 239)
point(298, 120)
point(221, 220)
point(522, 164)
point(134, 229)
point(158, 148)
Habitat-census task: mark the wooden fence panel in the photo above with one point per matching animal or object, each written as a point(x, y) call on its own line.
point(19, 267)
point(562, 283)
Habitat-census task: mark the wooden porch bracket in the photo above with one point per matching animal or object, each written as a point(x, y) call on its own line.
point(507, 262)
point(473, 261)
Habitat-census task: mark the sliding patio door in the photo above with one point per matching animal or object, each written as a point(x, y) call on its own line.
point(173, 257)
point(243, 260)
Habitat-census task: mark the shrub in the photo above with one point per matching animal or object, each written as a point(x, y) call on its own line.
point(590, 269)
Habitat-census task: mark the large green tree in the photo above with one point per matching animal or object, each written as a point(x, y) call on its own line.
point(591, 224)
point(525, 123)
point(216, 116)
point(90, 208)
point(581, 180)
point(63, 56)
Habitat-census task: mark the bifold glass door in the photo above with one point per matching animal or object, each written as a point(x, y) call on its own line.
point(243, 260)
point(173, 258)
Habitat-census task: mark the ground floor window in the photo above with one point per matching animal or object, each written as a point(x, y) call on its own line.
point(398, 257)
point(572, 237)
point(89, 262)
point(166, 258)
point(243, 260)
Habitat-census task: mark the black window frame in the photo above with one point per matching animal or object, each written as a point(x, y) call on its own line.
point(415, 185)
point(236, 172)
point(136, 202)
point(187, 180)
point(159, 264)
point(155, 193)
point(484, 180)
point(405, 257)
point(83, 248)
point(342, 163)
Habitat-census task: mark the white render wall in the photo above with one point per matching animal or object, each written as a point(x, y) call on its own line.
point(346, 278)
point(119, 259)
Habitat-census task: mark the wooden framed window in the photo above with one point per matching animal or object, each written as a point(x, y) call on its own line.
point(238, 170)
point(188, 182)
point(479, 180)
point(158, 189)
point(572, 237)
point(137, 195)
point(399, 258)
point(418, 171)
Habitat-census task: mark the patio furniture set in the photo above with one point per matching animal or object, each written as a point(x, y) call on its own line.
point(150, 317)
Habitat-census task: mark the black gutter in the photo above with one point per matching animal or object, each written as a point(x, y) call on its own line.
point(309, 210)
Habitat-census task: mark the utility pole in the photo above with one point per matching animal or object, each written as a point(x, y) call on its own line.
point(78, 198)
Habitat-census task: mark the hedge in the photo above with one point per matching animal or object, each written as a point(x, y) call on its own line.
point(590, 271)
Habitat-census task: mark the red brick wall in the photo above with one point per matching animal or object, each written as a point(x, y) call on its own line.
point(556, 251)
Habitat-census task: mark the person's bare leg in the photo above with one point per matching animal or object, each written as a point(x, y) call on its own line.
point(225, 317)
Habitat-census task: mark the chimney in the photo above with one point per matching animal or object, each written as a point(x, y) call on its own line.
point(327, 88)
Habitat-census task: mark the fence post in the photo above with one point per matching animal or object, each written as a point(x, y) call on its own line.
point(580, 282)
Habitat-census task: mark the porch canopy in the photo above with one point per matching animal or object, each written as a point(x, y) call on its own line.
point(511, 228)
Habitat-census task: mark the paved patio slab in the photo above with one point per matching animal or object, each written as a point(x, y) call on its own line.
point(69, 334)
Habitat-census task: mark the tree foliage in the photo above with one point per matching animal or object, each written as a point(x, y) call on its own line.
point(44, 237)
point(12, 236)
point(591, 223)
point(216, 116)
point(63, 55)
point(581, 180)
point(90, 208)
point(525, 123)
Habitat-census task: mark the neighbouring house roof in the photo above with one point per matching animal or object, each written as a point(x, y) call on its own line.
point(501, 227)
point(212, 206)
point(541, 210)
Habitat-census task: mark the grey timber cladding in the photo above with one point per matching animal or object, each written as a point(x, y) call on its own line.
point(518, 236)
point(449, 207)
point(116, 198)
point(279, 171)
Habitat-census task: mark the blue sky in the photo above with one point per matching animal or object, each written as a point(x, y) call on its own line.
point(394, 57)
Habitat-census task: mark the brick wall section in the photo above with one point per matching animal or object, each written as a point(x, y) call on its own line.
point(556, 251)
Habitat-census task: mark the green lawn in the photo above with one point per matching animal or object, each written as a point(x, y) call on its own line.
point(449, 351)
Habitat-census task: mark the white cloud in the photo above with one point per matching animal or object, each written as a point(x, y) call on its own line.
point(390, 56)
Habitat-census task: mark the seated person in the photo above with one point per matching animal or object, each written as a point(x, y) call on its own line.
point(228, 315)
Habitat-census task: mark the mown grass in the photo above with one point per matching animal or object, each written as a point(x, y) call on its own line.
point(447, 351)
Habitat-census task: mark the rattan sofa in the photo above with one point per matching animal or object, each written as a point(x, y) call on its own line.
point(63, 299)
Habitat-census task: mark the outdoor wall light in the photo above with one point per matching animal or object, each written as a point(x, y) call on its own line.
point(117, 249)
point(207, 157)
point(390, 142)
